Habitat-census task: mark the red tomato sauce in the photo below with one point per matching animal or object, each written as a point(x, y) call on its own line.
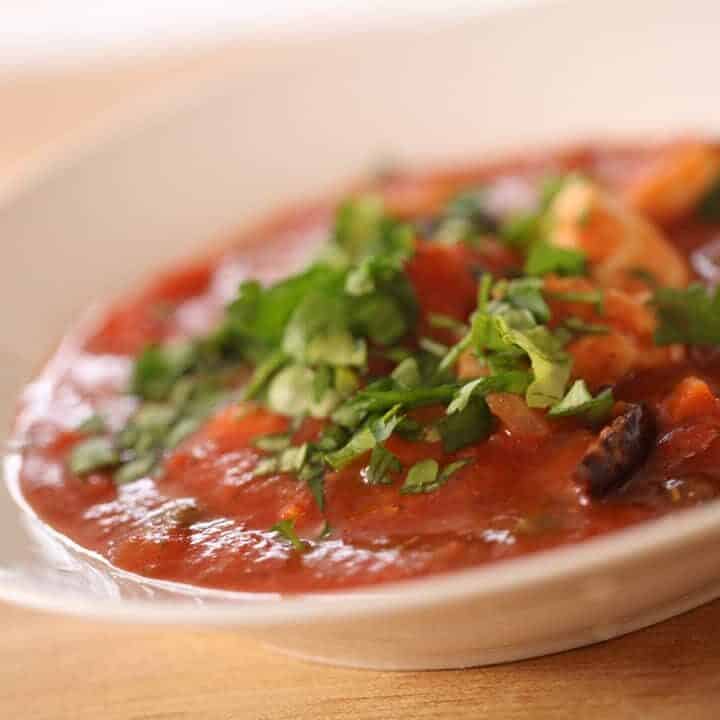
point(204, 518)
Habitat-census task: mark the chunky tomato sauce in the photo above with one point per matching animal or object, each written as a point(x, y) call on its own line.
point(204, 518)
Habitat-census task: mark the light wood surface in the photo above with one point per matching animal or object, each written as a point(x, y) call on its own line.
point(66, 669)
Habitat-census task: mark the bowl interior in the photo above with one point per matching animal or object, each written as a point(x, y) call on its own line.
point(300, 118)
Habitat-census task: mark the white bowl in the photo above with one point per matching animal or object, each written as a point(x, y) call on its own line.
point(297, 119)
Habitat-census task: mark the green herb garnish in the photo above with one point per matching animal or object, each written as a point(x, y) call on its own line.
point(544, 258)
point(97, 453)
point(469, 425)
point(421, 478)
point(690, 315)
point(579, 401)
point(581, 327)
point(382, 463)
point(93, 425)
point(286, 529)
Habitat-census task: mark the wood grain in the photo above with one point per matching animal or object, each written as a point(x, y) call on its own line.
point(66, 669)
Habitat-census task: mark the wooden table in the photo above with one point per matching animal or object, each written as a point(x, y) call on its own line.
point(59, 668)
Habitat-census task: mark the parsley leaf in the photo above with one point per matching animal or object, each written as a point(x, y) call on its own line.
point(590, 297)
point(159, 367)
point(526, 294)
point(372, 433)
point(286, 528)
point(450, 469)
point(407, 373)
point(421, 478)
point(522, 229)
point(317, 333)
point(471, 424)
point(96, 453)
point(382, 463)
point(136, 469)
point(551, 366)
point(92, 425)
point(579, 401)
point(363, 229)
point(690, 315)
point(544, 258)
point(579, 326)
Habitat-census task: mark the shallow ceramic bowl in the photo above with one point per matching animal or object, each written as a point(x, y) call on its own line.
point(297, 119)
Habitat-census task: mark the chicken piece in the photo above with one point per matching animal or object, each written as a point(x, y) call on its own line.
point(616, 239)
point(628, 344)
point(672, 186)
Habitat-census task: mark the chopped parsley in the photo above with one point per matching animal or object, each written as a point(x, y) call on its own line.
point(97, 453)
point(382, 463)
point(422, 477)
point(589, 297)
point(286, 529)
point(689, 315)
point(469, 425)
point(92, 425)
point(545, 258)
point(426, 476)
point(579, 401)
point(581, 327)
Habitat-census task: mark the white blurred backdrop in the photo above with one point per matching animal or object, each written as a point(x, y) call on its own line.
point(51, 32)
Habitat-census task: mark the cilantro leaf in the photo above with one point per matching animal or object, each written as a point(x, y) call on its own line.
point(286, 529)
point(579, 326)
point(526, 294)
point(421, 478)
point(363, 229)
point(544, 258)
point(96, 453)
point(579, 401)
point(375, 431)
point(513, 381)
point(292, 459)
point(465, 219)
point(136, 469)
point(689, 315)
point(92, 425)
point(450, 469)
point(371, 400)
point(471, 424)
point(551, 366)
point(522, 229)
point(256, 320)
point(438, 320)
point(407, 373)
point(589, 297)
point(382, 463)
point(158, 368)
point(264, 372)
point(317, 333)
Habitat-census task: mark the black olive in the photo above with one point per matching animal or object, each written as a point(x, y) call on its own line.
point(617, 452)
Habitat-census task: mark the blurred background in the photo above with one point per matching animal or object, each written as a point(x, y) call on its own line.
point(67, 67)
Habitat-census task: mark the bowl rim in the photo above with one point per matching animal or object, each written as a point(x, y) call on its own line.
point(641, 542)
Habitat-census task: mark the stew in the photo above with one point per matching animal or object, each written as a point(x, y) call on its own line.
point(441, 370)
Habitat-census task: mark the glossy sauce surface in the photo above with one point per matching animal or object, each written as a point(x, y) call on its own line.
point(204, 518)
